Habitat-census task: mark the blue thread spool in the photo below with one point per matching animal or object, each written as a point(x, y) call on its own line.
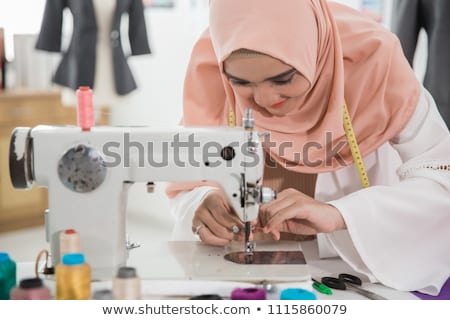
point(297, 294)
point(7, 275)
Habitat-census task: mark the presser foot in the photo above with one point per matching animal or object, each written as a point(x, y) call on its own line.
point(249, 248)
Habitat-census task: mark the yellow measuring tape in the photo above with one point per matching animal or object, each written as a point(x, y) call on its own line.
point(231, 119)
point(354, 148)
point(351, 139)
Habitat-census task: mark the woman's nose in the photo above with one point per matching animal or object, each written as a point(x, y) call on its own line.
point(264, 95)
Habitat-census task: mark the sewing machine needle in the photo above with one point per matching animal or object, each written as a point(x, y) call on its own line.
point(248, 245)
point(247, 236)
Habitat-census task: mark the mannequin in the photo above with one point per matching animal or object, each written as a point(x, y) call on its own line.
point(104, 94)
point(411, 16)
point(95, 57)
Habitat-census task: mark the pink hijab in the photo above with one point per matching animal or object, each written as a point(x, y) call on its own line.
point(346, 58)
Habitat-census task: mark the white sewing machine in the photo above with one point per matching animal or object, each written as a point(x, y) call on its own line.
point(87, 174)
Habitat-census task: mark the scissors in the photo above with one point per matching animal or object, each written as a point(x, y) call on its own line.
point(346, 281)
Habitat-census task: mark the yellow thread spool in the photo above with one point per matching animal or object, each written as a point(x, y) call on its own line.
point(73, 278)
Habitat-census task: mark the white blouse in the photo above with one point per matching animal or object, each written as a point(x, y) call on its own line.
point(398, 230)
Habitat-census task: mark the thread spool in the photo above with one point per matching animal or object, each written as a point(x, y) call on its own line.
point(31, 289)
point(297, 294)
point(126, 285)
point(7, 275)
point(248, 294)
point(69, 242)
point(73, 278)
point(85, 109)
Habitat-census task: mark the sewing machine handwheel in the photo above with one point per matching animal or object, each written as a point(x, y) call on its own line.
point(21, 158)
point(82, 169)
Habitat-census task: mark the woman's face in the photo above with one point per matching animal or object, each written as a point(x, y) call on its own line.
point(265, 81)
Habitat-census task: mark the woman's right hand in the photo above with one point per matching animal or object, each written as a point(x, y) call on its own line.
point(214, 220)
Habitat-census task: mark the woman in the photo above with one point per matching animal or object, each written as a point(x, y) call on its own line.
point(297, 66)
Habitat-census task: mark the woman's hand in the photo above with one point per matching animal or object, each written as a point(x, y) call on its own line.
point(295, 212)
point(215, 220)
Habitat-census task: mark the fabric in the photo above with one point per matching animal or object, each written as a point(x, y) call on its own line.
point(408, 19)
point(78, 62)
point(382, 240)
point(341, 53)
point(443, 295)
point(398, 231)
point(279, 178)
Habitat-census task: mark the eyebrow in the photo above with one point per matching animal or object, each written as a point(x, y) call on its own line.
point(278, 76)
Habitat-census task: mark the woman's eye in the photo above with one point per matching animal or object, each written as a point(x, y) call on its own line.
point(239, 82)
point(283, 82)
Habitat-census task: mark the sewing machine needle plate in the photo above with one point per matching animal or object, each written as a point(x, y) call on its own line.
point(273, 261)
point(267, 257)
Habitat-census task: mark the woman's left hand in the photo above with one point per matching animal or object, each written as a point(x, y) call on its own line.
point(297, 213)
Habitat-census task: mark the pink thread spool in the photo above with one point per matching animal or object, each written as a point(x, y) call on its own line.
point(69, 242)
point(31, 289)
point(85, 109)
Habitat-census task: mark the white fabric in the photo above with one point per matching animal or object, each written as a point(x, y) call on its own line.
point(183, 208)
point(398, 230)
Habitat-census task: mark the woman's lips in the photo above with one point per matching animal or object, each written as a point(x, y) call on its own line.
point(278, 105)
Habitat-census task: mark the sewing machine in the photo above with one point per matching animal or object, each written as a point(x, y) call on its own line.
point(87, 174)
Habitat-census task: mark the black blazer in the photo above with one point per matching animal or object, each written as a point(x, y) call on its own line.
point(77, 66)
point(408, 18)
